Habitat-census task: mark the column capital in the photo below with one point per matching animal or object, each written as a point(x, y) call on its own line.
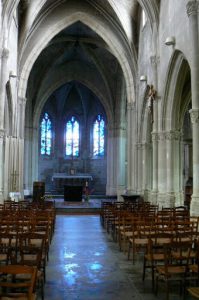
point(173, 135)
point(22, 100)
point(144, 145)
point(192, 8)
point(155, 136)
point(4, 53)
point(154, 60)
point(139, 146)
point(147, 145)
point(120, 127)
point(111, 133)
point(159, 136)
point(194, 114)
point(162, 136)
point(2, 133)
point(131, 106)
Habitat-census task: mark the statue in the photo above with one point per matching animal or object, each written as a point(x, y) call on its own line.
point(151, 97)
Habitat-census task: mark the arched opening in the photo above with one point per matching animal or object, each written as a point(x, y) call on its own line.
point(176, 124)
point(70, 105)
point(75, 75)
point(187, 158)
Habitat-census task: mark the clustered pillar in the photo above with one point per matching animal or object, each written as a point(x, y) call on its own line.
point(192, 12)
point(4, 59)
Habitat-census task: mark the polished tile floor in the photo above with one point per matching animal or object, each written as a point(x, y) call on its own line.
point(85, 264)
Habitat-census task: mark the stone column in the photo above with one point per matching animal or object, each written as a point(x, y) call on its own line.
point(28, 147)
point(1, 165)
point(111, 167)
point(173, 168)
point(146, 163)
point(162, 176)
point(194, 209)
point(155, 168)
point(3, 79)
point(4, 58)
point(121, 157)
point(35, 154)
point(21, 126)
point(154, 63)
point(170, 160)
point(139, 168)
point(21, 116)
point(28, 158)
point(192, 12)
point(1, 23)
point(131, 137)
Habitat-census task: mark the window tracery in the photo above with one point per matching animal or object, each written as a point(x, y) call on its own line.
point(98, 136)
point(72, 137)
point(46, 135)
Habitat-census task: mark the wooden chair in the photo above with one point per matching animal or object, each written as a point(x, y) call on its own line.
point(123, 227)
point(125, 230)
point(194, 266)
point(138, 241)
point(194, 291)
point(106, 214)
point(42, 228)
point(30, 250)
point(154, 255)
point(174, 269)
point(120, 211)
point(31, 253)
point(5, 248)
point(22, 289)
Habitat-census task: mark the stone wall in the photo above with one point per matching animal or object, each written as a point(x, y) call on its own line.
point(73, 99)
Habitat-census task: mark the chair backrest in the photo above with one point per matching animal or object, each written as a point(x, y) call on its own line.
point(11, 286)
point(177, 253)
point(31, 247)
point(5, 247)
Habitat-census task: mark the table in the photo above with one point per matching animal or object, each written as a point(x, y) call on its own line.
point(63, 179)
point(76, 176)
point(131, 198)
point(73, 193)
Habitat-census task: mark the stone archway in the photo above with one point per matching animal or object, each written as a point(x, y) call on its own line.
point(145, 176)
point(176, 100)
point(64, 18)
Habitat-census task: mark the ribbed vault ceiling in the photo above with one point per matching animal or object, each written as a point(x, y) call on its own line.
point(78, 46)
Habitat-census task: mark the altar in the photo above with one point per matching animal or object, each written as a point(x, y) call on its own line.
point(60, 180)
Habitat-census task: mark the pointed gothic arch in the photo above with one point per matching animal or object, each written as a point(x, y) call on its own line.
point(177, 75)
point(65, 77)
point(64, 18)
point(175, 102)
point(145, 145)
point(146, 119)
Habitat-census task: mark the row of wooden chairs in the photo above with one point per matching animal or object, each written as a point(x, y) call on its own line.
point(178, 264)
point(25, 236)
point(29, 249)
point(156, 233)
point(18, 282)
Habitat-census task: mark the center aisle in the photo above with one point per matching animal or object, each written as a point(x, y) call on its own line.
point(85, 264)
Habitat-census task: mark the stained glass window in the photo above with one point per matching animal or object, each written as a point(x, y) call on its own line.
point(46, 135)
point(72, 137)
point(98, 136)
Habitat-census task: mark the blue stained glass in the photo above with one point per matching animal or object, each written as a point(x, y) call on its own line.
point(46, 135)
point(98, 136)
point(72, 137)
